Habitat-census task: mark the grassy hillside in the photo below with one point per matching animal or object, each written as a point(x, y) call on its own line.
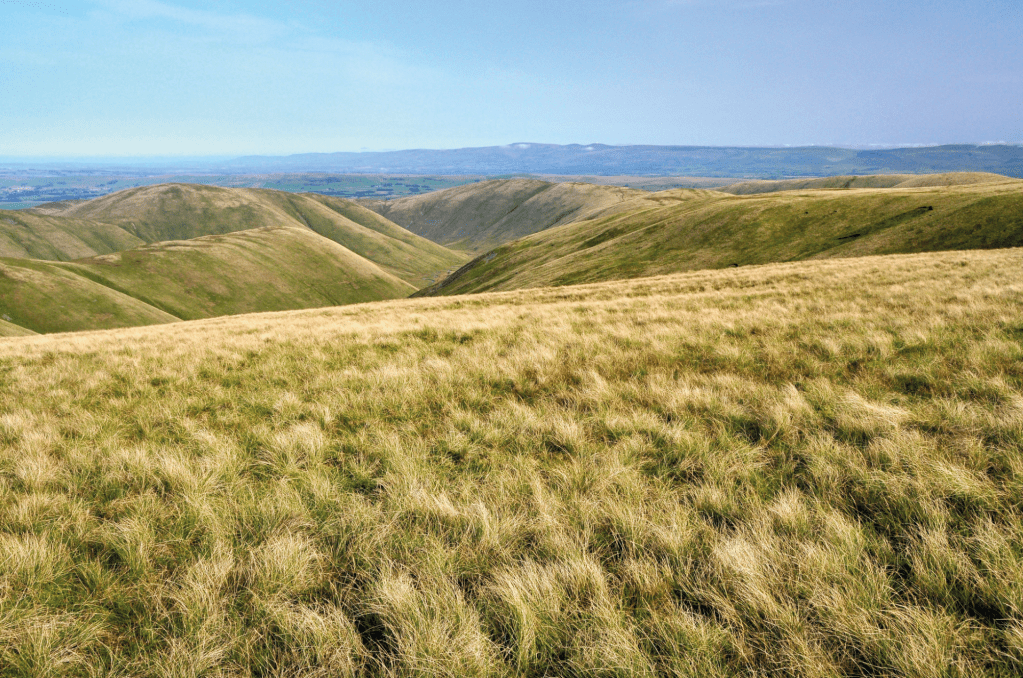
point(43, 297)
point(185, 211)
point(34, 235)
point(683, 230)
point(479, 216)
point(180, 211)
point(406, 255)
point(9, 329)
point(867, 181)
point(266, 269)
point(806, 469)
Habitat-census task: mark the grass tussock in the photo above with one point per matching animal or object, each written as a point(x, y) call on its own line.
point(809, 469)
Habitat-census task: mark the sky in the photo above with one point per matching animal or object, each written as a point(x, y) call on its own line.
point(231, 77)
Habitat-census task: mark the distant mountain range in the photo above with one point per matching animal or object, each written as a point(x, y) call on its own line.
point(600, 159)
point(593, 160)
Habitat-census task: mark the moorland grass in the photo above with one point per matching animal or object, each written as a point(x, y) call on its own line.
point(684, 230)
point(808, 469)
point(478, 217)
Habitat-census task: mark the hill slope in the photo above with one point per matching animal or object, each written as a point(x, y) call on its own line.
point(479, 216)
point(34, 235)
point(43, 297)
point(266, 269)
point(410, 257)
point(168, 212)
point(9, 329)
point(807, 469)
point(867, 181)
point(693, 230)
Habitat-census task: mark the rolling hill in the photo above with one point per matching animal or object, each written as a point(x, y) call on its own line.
point(807, 469)
point(43, 297)
point(867, 181)
point(684, 230)
point(9, 329)
point(265, 269)
point(183, 211)
point(39, 235)
point(476, 217)
point(168, 252)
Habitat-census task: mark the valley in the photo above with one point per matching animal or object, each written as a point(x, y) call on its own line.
point(168, 252)
point(772, 429)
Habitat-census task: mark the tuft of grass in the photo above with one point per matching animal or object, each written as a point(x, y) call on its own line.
point(808, 469)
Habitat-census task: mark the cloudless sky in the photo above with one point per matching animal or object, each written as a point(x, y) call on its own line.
point(230, 77)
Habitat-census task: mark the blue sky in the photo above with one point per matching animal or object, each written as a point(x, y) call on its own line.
point(226, 77)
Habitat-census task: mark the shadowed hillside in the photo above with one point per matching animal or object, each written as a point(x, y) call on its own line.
point(410, 257)
point(478, 216)
point(693, 230)
point(809, 469)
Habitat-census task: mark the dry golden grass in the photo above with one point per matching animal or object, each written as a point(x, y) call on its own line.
point(807, 469)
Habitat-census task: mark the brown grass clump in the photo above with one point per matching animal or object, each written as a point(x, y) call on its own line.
point(807, 469)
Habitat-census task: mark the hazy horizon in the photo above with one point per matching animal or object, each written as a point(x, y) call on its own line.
point(155, 159)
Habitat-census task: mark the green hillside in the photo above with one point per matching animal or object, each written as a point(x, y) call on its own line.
point(694, 230)
point(8, 329)
point(44, 297)
point(408, 256)
point(866, 181)
point(266, 269)
point(185, 211)
point(479, 216)
point(812, 469)
point(36, 235)
point(211, 251)
point(180, 211)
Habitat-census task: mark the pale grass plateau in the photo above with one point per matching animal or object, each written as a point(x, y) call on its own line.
point(810, 469)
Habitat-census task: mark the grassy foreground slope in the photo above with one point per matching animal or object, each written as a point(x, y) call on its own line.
point(808, 469)
point(684, 230)
point(479, 216)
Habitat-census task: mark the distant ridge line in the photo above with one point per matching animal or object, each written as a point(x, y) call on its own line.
point(606, 160)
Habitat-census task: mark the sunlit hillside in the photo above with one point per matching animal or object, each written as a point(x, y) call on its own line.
point(682, 230)
point(864, 181)
point(183, 211)
point(805, 469)
point(168, 252)
point(38, 235)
